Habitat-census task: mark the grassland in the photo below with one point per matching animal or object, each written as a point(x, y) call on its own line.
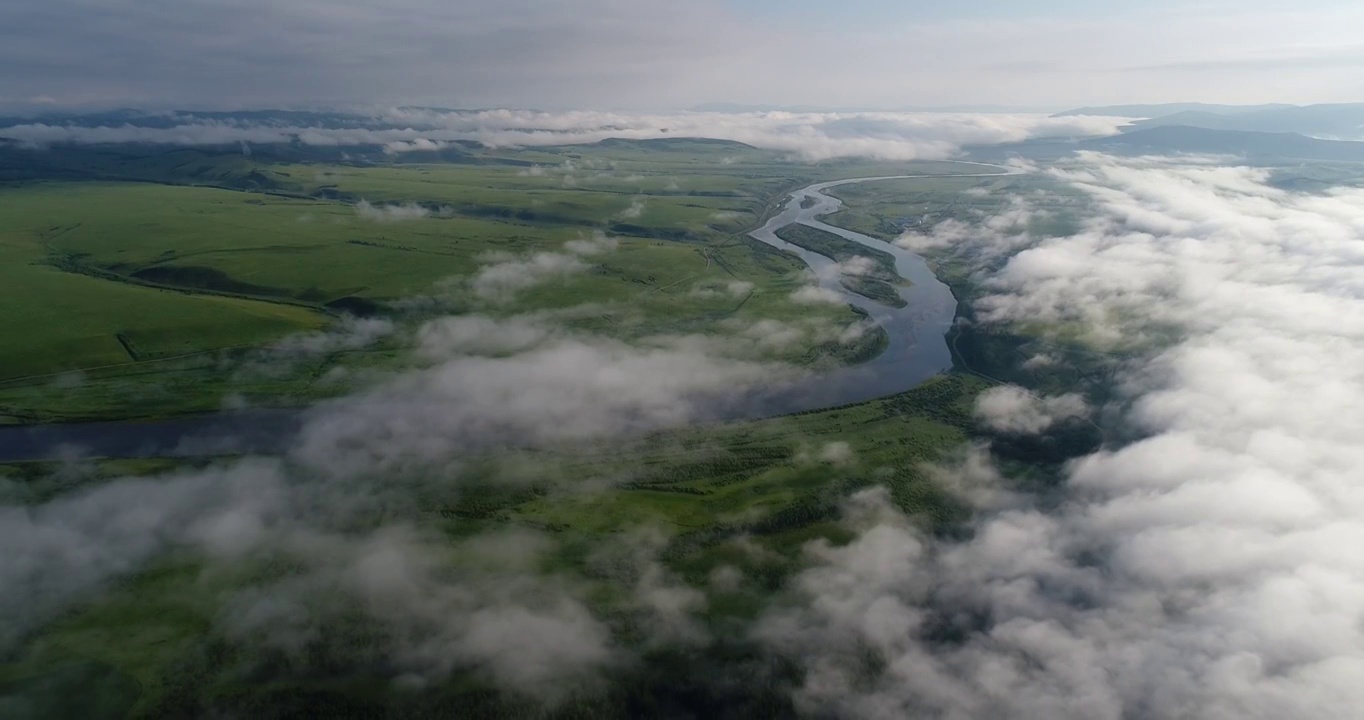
point(742, 498)
point(890, 208)
point(746, 496)
point(135, 299)
point(1015, 205)
point(259, 248)
point(877, 281)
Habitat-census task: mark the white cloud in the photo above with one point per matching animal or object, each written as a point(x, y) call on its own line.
point(1012, 409)
point(837, 453)
point(595, 245)
point(336, 511)
point(1210, 567)
point(733, 289)
point(514, 382)
point(391, 213)
point(815, 295)
point(859, 265)
point(399, 147)
point(633, 212)
point(505, 276)
point(809, 136)
point(1001, 233)
point(501, 280)
point(650, 53)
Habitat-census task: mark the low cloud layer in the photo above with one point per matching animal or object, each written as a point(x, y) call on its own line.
point(504, 276)
point(810, 136)
point(537, 386)
point(391, 213)
point(1208, 569)
point(340, 510)
point(656, 54)
point(1012, 409)
point(816, 295)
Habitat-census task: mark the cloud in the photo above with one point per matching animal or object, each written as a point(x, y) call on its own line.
point(815, 295)
point(597, 244)
point(340, 511)
point(505, 276)
point(763, 339)
point(516, 382)
point(858, 265)
point(808, 136)
point(391, 213)
point(399, 147)
point(998, 234)
point(1012, 409)
point(481, 335)
point(972, 478)
point(655, 54)
point(348, 333)
point(662, 603)
point(527, 633)
point(733, 289)
point(1207, 567)
point(61, 550)
point(838, 453)
point(633, 212)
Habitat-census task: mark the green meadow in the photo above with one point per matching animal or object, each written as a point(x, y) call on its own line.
point(744, 496)
point(141, 287)
point(243, 253)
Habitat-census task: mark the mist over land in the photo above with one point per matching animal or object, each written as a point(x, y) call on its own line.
point(517, 366)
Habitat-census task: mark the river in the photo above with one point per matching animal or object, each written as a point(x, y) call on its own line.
point(917, 351)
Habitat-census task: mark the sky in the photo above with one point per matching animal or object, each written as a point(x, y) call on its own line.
point(662, 55)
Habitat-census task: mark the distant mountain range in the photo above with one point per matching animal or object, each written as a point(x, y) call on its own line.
point(1164, 109)
point(989, 109)
point(1339, 121)
point(1186, 139)
point(1259, 147)
point(143, 119)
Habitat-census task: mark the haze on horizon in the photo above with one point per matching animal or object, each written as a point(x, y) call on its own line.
point(658, 55)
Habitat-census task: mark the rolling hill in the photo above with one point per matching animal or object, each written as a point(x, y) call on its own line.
point(1260, 147)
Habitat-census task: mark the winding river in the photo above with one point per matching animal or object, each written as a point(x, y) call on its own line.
point(917, 332)
point(917, 351)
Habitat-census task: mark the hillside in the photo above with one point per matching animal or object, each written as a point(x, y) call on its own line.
point(1166, 109)
point(1182, 139)
point(1341, 121)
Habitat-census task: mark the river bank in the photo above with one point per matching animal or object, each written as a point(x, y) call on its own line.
point(917, 350)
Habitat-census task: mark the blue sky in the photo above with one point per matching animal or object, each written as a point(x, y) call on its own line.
point(665, 54)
